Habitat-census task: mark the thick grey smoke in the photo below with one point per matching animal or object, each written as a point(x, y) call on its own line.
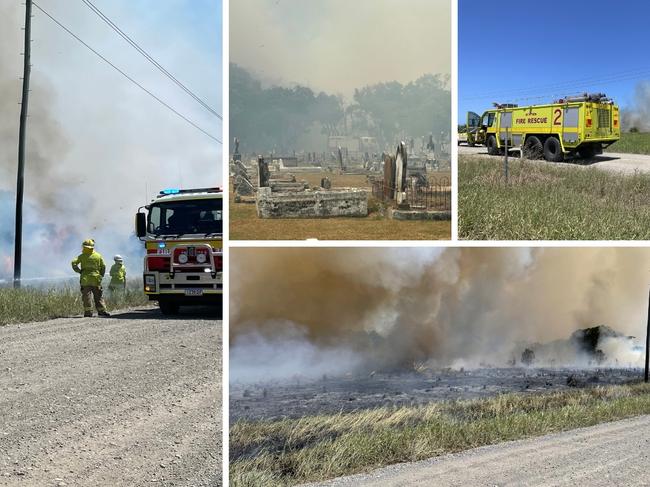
point(98, 147)
point(288, 353)
point(338, 45)
point(47, 141)
point(465, 306)
point(638, 116)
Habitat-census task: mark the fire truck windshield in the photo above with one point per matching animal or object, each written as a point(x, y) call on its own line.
point(198, 216)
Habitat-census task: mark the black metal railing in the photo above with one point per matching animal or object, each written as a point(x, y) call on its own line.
point(435, 195)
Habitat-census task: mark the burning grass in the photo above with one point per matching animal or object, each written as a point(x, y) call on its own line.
point(544, 202)
point(33, 304)
point(313, 448)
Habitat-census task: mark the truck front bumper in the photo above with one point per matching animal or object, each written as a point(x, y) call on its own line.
point(189, 285)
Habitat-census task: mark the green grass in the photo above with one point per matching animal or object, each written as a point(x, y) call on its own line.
point(631, 143)
point(292, 451)
point(550, 202)
point(32, 304)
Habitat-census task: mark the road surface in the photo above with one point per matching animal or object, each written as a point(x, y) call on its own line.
point(609, 161)
point(130, 400)
point(610, 454)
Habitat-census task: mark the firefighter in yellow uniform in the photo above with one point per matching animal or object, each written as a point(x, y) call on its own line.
point(118, 275)
point(90, 265)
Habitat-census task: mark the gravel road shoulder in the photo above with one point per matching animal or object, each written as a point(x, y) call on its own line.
point(130, 400)
point(609, 454)
point(609, 161)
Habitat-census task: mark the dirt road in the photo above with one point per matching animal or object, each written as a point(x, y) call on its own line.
point(130, 400)
point(609, 161)
point(610, 454)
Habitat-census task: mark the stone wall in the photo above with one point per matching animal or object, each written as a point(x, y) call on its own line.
point(312, 203)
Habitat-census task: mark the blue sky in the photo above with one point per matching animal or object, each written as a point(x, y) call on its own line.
point(532, 52)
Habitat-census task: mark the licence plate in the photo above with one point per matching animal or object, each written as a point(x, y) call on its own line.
point(194, 292)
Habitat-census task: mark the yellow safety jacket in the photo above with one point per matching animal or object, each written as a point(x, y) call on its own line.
point(118, 275)
point(91, 267)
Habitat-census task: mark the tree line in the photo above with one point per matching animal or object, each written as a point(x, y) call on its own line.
point(275, 117)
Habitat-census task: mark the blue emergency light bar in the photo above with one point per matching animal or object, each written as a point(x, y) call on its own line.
point(166, 192)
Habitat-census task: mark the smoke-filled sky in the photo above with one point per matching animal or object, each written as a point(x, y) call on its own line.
point(338, 45)
point(337, 309)
point(97, 146)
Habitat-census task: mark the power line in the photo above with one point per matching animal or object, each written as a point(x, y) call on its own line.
point(148, 57)
point(625, 74)
point(585, 82)
point(127, 76)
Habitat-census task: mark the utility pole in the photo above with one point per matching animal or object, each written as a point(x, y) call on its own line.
point(505, 158)
point(647, 343)
point(20, 182)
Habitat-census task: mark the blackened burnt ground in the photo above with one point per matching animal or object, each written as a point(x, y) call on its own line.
point(298, 397)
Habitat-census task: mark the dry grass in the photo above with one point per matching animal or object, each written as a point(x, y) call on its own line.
point(550, 202)
point(245, 225)
point(31, 304)
point(288, 452)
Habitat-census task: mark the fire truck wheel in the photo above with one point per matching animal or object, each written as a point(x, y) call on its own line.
point(491, 144)
point(168, 308)
point(553, 150)
point(533, 148)
point(587, 151)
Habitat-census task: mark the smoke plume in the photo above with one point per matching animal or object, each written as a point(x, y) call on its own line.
point(392, 308)
point(97, 146)
point(337, 46)
point(638, 116)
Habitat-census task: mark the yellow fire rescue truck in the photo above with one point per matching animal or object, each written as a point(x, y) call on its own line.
point(581, 125)
point(182, 231)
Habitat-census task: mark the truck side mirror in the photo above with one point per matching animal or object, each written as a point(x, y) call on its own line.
point(140, 224)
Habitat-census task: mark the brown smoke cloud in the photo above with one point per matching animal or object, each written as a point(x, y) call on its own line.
point(338, 45)
point(395, 307)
